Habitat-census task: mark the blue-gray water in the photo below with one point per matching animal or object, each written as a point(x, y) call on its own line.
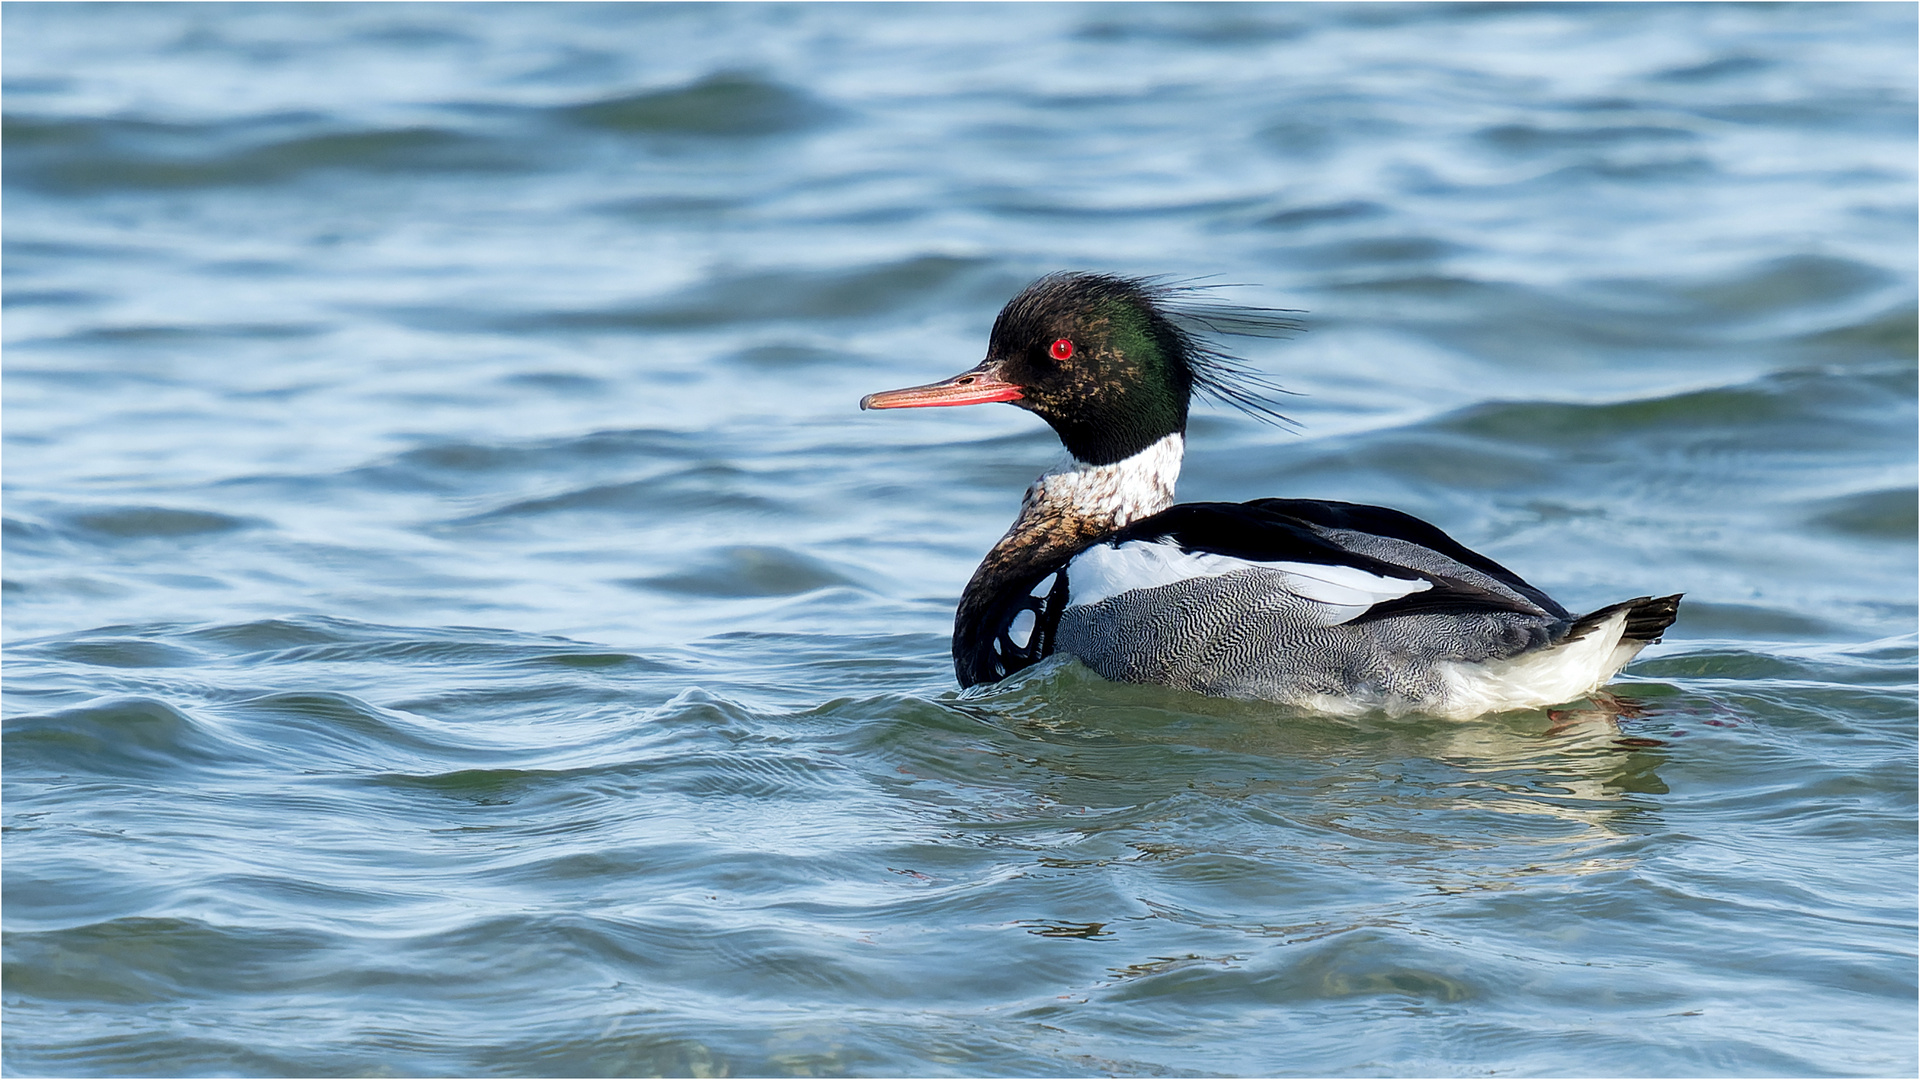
point(458, 621)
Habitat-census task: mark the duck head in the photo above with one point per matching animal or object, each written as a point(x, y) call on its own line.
point(1111, 363)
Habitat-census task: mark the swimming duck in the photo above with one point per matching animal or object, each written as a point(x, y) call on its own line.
point(1328, 607)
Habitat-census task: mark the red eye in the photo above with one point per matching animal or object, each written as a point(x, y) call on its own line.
point(1062, 350)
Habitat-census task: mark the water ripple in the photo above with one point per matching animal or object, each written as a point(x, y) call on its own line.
point(459, 622)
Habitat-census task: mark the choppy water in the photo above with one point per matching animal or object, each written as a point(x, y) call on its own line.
point(458, 623)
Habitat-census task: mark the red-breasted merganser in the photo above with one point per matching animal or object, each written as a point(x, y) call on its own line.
point(1329, 607)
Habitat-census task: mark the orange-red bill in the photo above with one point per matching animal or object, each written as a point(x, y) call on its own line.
point(975, 387)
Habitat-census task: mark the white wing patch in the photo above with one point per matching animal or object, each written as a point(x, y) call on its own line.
point(1104, 571)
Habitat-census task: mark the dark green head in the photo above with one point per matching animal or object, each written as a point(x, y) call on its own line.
point(1095, 358)
point(1110, 362)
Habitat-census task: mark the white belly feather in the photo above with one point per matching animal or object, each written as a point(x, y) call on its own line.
point(1569, 670)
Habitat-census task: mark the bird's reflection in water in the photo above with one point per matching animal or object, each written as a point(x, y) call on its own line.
point(1556, 790)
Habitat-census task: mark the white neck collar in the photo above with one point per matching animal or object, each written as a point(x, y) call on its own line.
point(1115, 495)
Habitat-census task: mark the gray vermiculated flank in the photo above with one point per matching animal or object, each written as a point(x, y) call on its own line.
point(1244, 635)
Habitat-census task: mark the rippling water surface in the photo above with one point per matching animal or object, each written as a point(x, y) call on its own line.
point(458, 622)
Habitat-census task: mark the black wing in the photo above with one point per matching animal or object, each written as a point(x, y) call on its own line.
point(1268, 530)
point(1395, 525)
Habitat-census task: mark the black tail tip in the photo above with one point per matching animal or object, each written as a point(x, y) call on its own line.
point(1649, 617)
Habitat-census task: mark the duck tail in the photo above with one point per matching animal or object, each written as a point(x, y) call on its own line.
point(1647, 618)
